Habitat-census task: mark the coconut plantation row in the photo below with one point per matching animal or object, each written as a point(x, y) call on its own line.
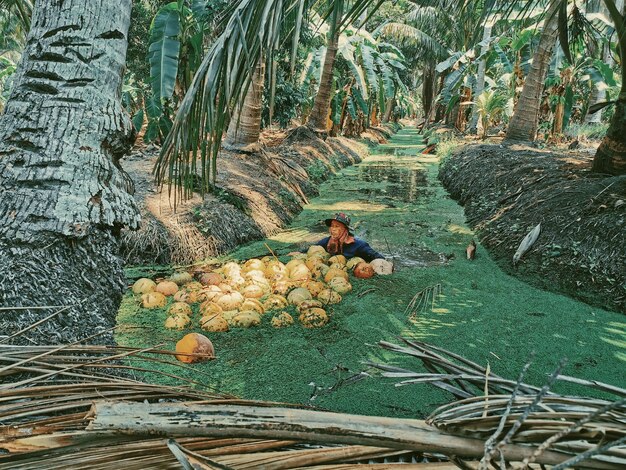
point(325, 234)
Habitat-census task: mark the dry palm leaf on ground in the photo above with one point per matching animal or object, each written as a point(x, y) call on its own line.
point(504, 412)
point(78, 406)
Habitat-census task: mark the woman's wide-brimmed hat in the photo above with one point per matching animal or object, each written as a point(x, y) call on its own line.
point(343, 218)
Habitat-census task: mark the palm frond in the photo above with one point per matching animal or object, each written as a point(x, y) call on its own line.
point(407, 34)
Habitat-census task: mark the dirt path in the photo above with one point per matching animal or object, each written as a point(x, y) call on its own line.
point(400, 207)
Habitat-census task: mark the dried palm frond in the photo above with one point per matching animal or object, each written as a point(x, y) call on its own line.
point(504, 412)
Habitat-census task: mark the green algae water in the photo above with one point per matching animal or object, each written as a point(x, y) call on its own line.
point(399, 206)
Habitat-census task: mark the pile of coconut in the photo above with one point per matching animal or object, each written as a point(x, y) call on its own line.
point(240, 295)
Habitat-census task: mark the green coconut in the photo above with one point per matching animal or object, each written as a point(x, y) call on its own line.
point(299, 294)
point(181, 278)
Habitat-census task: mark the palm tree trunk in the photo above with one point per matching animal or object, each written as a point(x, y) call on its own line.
point(318, 119)
point(598, 94)
point(523, 125)
point(428, 88)
point(389, 106)
point(480, 77)
point(244, 130)
point(611, 154)
point(64, 196)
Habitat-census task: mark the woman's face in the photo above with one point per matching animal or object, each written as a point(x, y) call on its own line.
point(336, 228)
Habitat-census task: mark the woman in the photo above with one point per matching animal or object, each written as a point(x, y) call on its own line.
point(343, 242)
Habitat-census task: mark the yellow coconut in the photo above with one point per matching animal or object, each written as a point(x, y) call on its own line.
point(230, 267)
point(264, 284)
point(292, 264)
point(334, 272)
point(281, 287)
point(341, 259)
point(229, 315)
point(315, 287)
point(209, 308)
point(177, 322)
point(258, 273)
point(246, 319)
point(299, 294)
point(253, 264)
point(275, 269)
point(307, 304)
point(329, 296)
point(282, 319)
point(316, 249)
point(179, 308)
point(352, 262)
point(338, 266)
point(195, 296)
point(313, 318)
point(143, 286)
point(300, 273)
point(253, 292)
point(230, 301)
point(275, 301)
point(153, 300)
point(181, 278)
point(226, 288)
point(214, 323)
point(181, 296)
point(193, 285)
point(313, 261)
point(212, 292)
point(167, 288)
point(340, 285)
point(235, 282)
point(321, 271)
point(253, 304)
point(194, 347)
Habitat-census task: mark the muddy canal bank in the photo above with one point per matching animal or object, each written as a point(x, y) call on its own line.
point(506, 191)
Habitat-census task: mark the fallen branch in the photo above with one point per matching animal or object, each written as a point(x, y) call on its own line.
point(201, 420)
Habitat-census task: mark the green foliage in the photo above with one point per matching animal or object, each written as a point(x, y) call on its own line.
point(490, 104)
point(289, 98)
point(318, 172)
point(164, 49)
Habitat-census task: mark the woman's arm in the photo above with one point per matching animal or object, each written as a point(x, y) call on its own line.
point(367, 252)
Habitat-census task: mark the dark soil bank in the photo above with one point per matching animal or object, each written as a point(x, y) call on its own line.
point(256, 194)
point(507, 191)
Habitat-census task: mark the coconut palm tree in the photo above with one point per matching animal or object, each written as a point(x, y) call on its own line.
point(611, 154)
point(63, 196)
point(222, 81)
point(244, 129)
point(523, 124)
point(318, 119)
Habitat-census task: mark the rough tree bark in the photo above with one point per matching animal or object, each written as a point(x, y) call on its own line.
point(611, 154)
point(523, 125)
point(244, 130)
point(63, 195)
point(318, 118)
